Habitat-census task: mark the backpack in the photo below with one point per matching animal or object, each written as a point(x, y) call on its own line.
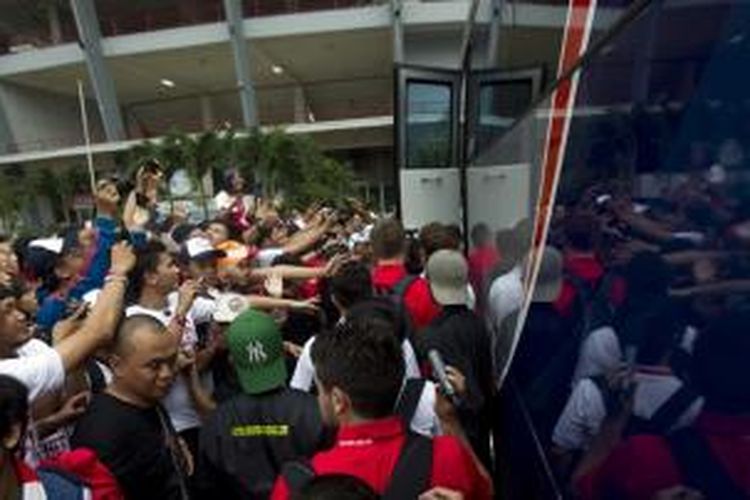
point(78, 474)
point(700, 469)
point(549, 390)
point(411, 474)
point(409, 479)
point(596, 307)
point(396, 296)
point(660, 423)
point(408, 400)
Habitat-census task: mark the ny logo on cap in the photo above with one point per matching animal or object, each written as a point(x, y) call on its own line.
point(256, 353)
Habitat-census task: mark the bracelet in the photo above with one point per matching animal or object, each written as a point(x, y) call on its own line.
point(117, 278)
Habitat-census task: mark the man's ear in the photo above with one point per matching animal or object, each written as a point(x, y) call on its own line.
point(115, 363)
point(340, 402)
point(151, 278)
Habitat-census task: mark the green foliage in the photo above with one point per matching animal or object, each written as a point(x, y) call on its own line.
point(291, 165)
point(283, 164)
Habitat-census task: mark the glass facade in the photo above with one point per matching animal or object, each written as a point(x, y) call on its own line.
point(654, 166)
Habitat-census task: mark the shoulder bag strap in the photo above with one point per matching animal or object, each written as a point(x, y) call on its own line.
point(413, 470)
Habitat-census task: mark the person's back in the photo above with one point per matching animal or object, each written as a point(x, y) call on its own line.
point(246, 440)
point(713, 455)
point(461, 337)
point(371, 451)
point(244, 443)
point(389, 276)
point(359, 370)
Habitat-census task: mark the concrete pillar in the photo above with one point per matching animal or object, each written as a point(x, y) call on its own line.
point(89, 37)
point(207, 112)
point(300, 105)
point(6, 133)
point(493, 49)
point(53, 17)
point(398, 32)
point(235, 25)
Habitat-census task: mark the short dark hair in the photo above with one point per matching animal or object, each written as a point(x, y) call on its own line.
point(581, 232)
point(388, 239)
point(232, 232)
point(362, 358)
point(351, 284)
point(393, 312)
point(14, 404)
point(436, 236)
point(720, 368)
point(480, 234)
point(336, 487)
point(128, 326)
point(660, 330)
point(147, 261)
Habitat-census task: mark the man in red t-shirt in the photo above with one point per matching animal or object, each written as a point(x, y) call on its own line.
point(581, 261)
point(389, 248)
point(643, 465)
point(359, 372)
point(483, 258)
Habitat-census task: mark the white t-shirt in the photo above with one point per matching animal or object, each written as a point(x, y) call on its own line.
point(600, 354)
point(425, 420)
point(505, 297)
point(304, 371)
point(178, 402)
point(585, 410)
point(266, 256)
point(38, 366)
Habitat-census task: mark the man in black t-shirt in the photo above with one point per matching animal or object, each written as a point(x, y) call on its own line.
point(462, 339)
point(125, 425)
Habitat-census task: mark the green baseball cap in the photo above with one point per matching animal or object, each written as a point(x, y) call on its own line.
point(257, 352)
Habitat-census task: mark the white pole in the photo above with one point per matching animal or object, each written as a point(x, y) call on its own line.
point(86, 137)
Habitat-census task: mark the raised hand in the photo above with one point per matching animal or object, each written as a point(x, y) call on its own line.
point(122, 259)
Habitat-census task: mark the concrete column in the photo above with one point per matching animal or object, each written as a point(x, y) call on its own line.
point(235, 25)
point(89, 37)
point(53, 17)
point(300, 105)
point(398, 32)
point(207, 112)
point(6, 133)
point(493, 49)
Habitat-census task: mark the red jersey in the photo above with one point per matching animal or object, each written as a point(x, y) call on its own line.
point(481, 263)
point(370, 451)
point(418, 298)
point(643, 465)
point(589, 269)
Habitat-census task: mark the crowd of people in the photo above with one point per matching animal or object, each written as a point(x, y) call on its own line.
point(327, 353)
point(632, 361)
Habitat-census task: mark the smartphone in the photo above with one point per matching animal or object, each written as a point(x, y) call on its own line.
point(71, 306)
point(440, 373)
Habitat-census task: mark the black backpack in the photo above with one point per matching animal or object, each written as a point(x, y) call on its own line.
point(550, 389)
point(594, 304)
point(661, 421)
point(396, 296)
point(410, 476)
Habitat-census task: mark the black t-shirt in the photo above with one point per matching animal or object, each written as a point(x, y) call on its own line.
point(134, 443)
point(244, 443)
point(463, 341)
